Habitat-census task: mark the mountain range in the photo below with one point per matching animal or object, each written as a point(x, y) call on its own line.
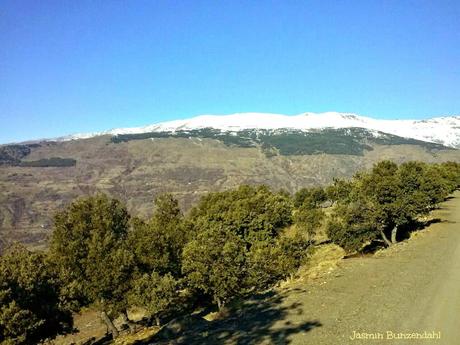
point(441, 130)
point(192, 157)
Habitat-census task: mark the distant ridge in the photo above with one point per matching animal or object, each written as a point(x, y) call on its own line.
point(441, 130)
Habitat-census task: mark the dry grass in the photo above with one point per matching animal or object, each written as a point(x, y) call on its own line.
point(144, 334)
point(323, 260)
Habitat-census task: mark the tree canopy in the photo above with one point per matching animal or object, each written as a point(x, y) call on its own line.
point(249, 212)
point(30, 303)
point(158, 242)
point(385, 199)
point(89, 250)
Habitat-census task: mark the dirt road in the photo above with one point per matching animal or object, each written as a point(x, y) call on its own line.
point(411, 288)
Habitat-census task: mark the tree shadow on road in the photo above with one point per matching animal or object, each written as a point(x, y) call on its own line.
point(417, 225)
point(253, 323)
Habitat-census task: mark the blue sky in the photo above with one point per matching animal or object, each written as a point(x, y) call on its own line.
point(77, 66)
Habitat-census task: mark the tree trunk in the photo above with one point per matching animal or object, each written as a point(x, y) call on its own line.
point(385, 239)
point(109, 324)
point(393, 234)
point(157, 320)
point(220, 305)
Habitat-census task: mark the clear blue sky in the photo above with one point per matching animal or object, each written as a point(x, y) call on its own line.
point(73, 66)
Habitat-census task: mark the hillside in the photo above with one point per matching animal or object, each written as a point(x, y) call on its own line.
point(39, 178)
point(410, 288)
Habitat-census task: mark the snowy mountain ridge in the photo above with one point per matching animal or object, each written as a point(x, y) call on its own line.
point(441, 130)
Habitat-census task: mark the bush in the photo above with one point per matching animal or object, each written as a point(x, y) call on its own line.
point(250, 212)
point(214, 263)
point(308, 219)
point(50, 162)
point(155, 293)
point(89, 249)
point(30, 305)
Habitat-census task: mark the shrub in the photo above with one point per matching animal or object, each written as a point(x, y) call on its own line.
point(30, 305)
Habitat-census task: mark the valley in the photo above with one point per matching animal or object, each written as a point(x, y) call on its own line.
point(135, 171)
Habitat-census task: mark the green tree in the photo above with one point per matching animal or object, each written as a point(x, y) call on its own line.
point(158, 243)
point(232, 251)
point(30, 306)
point(155, 293)
point(250, 212)
point(338, 190)
point(271, 261)
point(308, 218)
point(263, 265)
point(312, 197)
point(450, 172)
point(435, 185)
point(214, 263)
point(88, 247)
point(384, 200)
point(352, 225)
point(420, 189)
point(368, 209)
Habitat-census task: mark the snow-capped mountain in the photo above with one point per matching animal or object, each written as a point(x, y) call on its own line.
point(442, 130)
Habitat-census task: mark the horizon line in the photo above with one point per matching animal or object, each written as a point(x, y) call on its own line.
point(101, 132)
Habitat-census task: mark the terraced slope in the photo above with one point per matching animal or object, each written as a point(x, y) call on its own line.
point(40, 179)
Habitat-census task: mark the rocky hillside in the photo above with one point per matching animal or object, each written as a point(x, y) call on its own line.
point(37, 179)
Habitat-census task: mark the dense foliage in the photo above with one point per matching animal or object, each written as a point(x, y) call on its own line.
point(155, 293)
point(376, 204)
point(231, 244)
point(249, 212)
point(49, 162)
point(89, 250)
point(14, 154)
point(30, 304)
point(157, 243)
point(346, 141)
point(236, 242)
